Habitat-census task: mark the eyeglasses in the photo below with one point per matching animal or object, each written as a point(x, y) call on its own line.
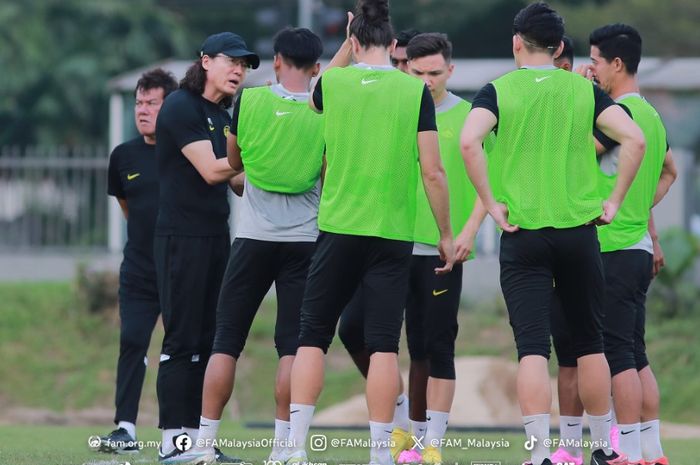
point(234, 61)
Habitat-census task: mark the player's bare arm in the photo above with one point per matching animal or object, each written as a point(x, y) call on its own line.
point(213, 170)
point(435, 182)
point(617, 125)
point(478, 125)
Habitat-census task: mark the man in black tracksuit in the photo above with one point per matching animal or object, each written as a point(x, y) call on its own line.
point(133, 181)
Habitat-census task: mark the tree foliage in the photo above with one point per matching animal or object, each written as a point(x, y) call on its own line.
point(669, 28)
point(57, 56)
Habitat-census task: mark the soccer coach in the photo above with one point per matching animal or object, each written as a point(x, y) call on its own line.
point(191, 244)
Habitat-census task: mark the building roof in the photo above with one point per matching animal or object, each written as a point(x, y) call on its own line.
point(675, 74)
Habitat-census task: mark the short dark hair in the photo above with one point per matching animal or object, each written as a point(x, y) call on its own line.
point(405, 36)
point(540, 27)
point(298, 46)
point(568, 51)
point(157, 78)
point(371, 25)
point(430, 43)
point(619, 41)
point(195, 80)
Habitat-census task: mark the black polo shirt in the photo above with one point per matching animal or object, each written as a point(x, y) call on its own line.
point(187, 204)
point(132, 176)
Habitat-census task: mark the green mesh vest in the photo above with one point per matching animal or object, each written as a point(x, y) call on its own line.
point(544, 157)
point(462, 192)
point(631, 223)
point(281, 142)
point(371, 121)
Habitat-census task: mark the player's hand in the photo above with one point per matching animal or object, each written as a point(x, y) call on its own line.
point(464, 243)
point(499, 213)
point(585, 71)
point(447, 255)
point(237, 184)
point(609, 211)
point(659, 261)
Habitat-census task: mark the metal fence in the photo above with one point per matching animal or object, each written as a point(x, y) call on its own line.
point(53, 198)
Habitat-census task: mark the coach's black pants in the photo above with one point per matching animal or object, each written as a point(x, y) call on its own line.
point(138, 312)
point(189, 270)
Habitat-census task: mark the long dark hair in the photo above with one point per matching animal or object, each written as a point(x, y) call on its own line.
point(371, 24)
point(195, 80)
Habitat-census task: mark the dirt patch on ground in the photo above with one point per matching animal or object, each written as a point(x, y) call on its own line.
point(485, 396)
point(86, 417)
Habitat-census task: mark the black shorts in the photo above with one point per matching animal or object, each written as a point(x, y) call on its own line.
point(561, 337)
point(252, 268)
point(431, 316)
point(627, 277)
point(341, 264)
point(530, 261)
point(351, 328)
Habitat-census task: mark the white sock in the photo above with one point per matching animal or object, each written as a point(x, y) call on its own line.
point(651, 440)
point(600, 431)
point(571, 428)
point(281, 435)
point(629, 442)
point(537, 426)
point(300, 416)
point(418, 428)
point(192, 433)
point(436, 427)
point(129, 427)
point(401, 413)
point(208, 431)
point(380, 433)
point(613, 417)
point(167, 445)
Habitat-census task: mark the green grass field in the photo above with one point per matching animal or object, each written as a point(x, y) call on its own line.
point(69, 446)
point(58, 357)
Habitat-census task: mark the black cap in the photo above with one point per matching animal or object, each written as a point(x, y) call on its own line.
point(229, 44)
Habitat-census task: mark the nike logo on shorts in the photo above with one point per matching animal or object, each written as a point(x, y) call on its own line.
point(131, 177)
point(437, 293)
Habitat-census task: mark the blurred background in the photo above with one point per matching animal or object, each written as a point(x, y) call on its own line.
point(66, 99)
